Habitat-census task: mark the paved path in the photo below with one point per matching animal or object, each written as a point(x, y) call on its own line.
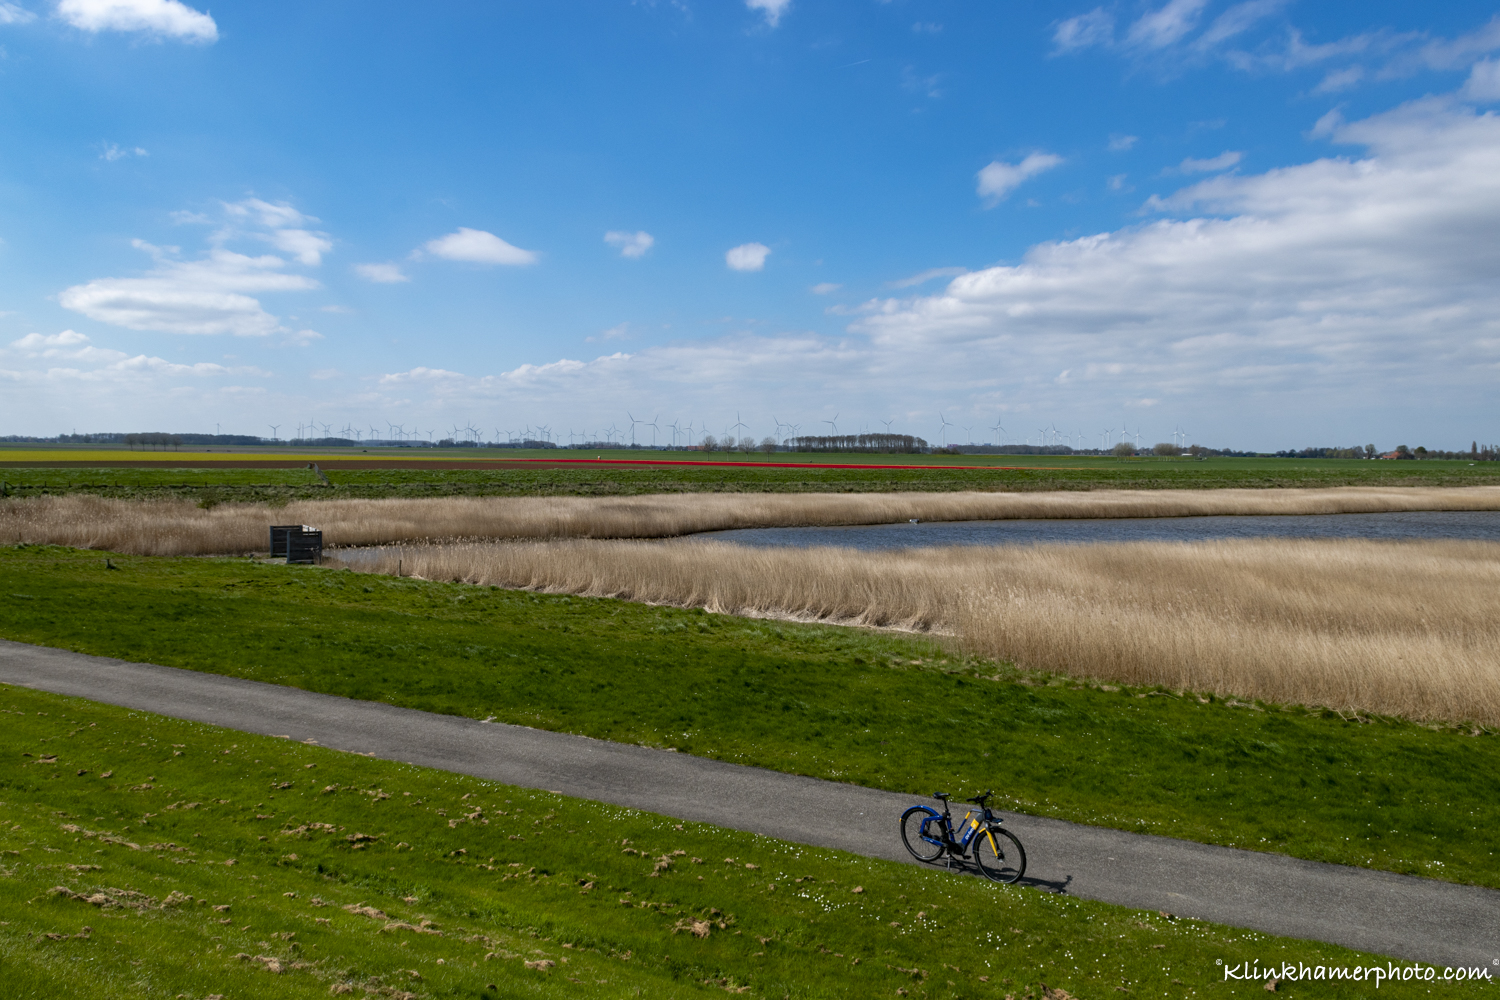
point(1411, 918)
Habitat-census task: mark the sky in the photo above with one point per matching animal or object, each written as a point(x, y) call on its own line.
point(1255, 225)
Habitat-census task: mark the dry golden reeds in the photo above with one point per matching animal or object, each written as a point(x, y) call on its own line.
point(181, 528)
point(1399, 628)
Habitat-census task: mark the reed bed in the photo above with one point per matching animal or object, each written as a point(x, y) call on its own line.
point(183, 528)
point(1394, 628)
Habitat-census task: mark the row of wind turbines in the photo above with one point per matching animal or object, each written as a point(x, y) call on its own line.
point(682, 435)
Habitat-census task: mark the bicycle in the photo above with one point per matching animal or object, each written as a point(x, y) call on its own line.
point(929, 835)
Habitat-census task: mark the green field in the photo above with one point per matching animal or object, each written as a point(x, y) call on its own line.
point(146, 857)
point(530, 478)
point(880, 709)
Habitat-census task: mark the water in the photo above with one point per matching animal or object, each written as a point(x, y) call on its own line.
point(1466, 525)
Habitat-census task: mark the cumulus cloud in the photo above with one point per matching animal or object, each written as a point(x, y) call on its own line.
point(747, 257)
point(69, 357)
point(381, 274)
point(772, 9)
point(204, 296)
point(162, 18)
point(475, 246)
point(999, 179)
point(308, 247)
point(214, 293)
point(14, 14)
point(825, 288)
point(1120, 143)
point(631, 245)
point(1214, 164)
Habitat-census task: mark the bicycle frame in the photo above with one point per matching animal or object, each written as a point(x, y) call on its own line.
point(972, 825)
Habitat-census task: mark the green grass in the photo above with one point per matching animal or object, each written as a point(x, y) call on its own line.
point(883, 710)
point(198, 861)
point(519, 479)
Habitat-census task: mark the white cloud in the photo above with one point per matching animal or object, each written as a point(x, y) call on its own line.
point(772, 9)
point(1223, 161)
point(308, 247)
point(13, 14)
point(998, 180)
point(476, 246)
point(1236, 21)
point(1165, 25)
point(381, 274)
point(928, 275)
point(39, 342)
point(204, 296)
point(272, 216)
point(1097, 27)
point(168, 18)
point(747, 257)
point(112, 151)
point(1340, 79)
point(631, 245)
point(1120, 143)
point(825, 288)
point(1484, 81)
point(613, 333)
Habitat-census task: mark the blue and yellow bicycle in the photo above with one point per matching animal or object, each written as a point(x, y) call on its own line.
point(930, 835)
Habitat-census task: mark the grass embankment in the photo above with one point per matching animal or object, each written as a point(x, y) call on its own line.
point(147, 857)
point(213, 485)
point(873, 708)
point(177, 528)
point(1398, 628)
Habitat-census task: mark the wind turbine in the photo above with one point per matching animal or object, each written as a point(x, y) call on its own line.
point(274, 428)
point(738, 424)
point(943, 428)
point(833, 424)
point(969, 430)
point(888, 424)
point(998, 429)
point(633, 422)
point(654, 429)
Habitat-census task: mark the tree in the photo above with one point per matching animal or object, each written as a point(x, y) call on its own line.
point(709, 443)
point(1124, 449)
point(1166, 449)
point(1370, 451)
point(768, 445)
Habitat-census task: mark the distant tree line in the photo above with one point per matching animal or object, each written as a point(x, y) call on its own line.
point(154, 440)
point(881, 444)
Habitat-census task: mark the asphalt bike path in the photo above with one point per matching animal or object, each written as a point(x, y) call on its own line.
point(1401, 916)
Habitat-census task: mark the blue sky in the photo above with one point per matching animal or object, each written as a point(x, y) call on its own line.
point(1268, 223)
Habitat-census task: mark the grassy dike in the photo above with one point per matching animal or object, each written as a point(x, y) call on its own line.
point(149, 857)
point(878, 709)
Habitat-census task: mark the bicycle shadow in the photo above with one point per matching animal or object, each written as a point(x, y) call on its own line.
point(964, 866)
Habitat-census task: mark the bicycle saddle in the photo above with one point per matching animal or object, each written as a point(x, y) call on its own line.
point(940, 795)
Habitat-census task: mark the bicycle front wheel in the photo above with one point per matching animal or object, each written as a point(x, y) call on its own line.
point(999, 855)
point(922, 833)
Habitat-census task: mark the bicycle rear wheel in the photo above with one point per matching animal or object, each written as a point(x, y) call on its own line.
point(922, 833)
point(999, 855)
